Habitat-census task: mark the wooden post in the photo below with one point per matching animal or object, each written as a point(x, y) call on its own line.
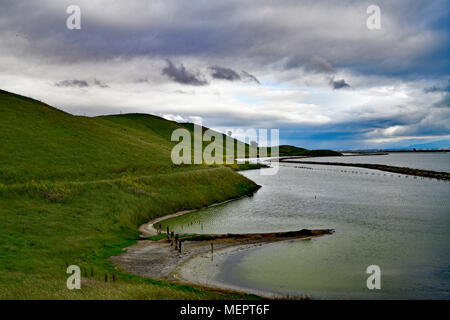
point(171, 238)
point(176, 241)
point(179, 247)
point(106, 277)
point(212, 252)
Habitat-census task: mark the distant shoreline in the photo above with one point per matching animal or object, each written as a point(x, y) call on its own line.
point(401, 170)
point(393, 151)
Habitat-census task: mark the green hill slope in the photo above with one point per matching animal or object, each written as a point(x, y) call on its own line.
point(41, 142)
point(73, 190)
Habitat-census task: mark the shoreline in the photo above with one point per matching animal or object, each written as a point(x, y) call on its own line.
point(393, 169)
point(187, 272)
point(147, 229)
point(158, 259)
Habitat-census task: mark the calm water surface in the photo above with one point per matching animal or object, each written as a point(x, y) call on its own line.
point(439, 161)
point(397, 222)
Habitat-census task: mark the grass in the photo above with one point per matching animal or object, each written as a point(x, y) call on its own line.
point(41, 235)
point(73, 190)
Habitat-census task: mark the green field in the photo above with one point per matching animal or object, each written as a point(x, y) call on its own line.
point(73, 190)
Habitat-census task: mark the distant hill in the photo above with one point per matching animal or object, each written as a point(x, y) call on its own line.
point(436, 145)
point(286, 150)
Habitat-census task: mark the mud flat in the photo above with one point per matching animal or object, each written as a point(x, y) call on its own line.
point(158, 259)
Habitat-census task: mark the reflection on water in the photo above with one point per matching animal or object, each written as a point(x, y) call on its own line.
point(398, 222)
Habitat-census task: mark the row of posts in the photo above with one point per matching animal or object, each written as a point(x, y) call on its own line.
point(92, 275)
point(176, 241)
point(173, 239)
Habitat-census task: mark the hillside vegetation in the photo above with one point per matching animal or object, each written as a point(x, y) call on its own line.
point(286, 150)
point(73, 190)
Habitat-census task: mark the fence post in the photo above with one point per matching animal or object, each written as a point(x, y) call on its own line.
point(212, 252)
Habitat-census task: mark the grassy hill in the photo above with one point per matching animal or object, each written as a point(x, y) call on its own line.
point(41, 142)
point(74, 189)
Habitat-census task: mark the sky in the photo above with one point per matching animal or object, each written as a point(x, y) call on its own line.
point(312, 69)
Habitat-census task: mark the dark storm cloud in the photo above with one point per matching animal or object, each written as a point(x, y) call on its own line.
point(293, 63)
point(319, 64)
point(444, 102)
point(438, 89)
point(445, 89)
point(181, 75)
point(224, 73)
point(314, 64)
point(72, 83)
point(80, 83)
point(262, 31)
point(339, 84)
point(231, 75)
point(100, 84)
point(249, 77)
point(141, 80)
